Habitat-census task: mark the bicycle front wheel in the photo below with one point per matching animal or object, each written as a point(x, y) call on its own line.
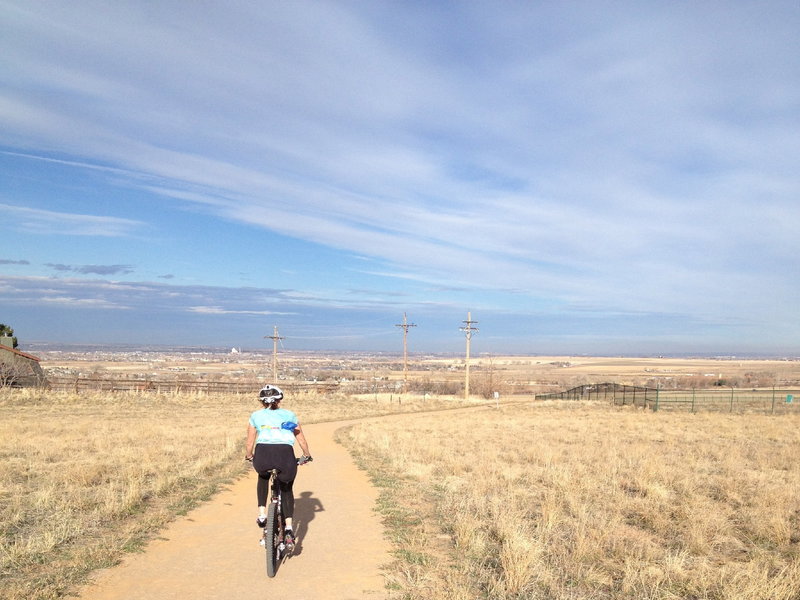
point(273, 538)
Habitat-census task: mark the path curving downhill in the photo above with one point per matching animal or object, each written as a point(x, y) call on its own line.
point(212, 553)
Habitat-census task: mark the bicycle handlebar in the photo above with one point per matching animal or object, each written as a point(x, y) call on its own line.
point(300, 461)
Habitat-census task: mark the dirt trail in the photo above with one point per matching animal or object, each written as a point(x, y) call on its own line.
point(213, 552)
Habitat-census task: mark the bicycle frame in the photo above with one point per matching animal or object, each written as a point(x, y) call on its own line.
point(274, 542)
point(274, 535)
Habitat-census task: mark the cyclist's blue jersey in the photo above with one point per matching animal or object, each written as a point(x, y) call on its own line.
point(269, 425)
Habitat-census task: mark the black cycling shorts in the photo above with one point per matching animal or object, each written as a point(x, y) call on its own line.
point(276, 456)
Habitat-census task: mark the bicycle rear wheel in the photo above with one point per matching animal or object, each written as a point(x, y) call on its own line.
point(273, 538)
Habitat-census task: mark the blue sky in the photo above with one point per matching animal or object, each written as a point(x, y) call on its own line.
point(584, 177)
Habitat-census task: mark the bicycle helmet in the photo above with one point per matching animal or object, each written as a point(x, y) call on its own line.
point(270, 394)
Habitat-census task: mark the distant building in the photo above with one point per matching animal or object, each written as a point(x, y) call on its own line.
point(18, 369)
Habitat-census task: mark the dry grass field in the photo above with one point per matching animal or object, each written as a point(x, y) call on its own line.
point(85, 478)
point(541, 501)
point(542, 374)
point(575, 500)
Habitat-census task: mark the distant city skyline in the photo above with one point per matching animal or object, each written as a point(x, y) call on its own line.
point(584, 178)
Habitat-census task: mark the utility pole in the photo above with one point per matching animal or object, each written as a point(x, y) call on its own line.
point(405, 325)
point(274, 337)
point(468, 329)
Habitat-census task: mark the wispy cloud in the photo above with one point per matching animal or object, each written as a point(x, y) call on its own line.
point(5, 261)
point(147, 296)
point(216, 310)
point(60, 267)
point(93, 303)
point(104, 269)
point(71, 163)
point(92, 269)
point(48, 222)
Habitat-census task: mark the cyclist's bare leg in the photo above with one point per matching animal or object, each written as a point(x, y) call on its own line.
point(262, 491)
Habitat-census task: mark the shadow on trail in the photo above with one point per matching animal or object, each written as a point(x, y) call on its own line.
point(304, 508)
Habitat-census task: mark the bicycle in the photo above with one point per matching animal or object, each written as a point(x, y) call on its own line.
point(274, 537)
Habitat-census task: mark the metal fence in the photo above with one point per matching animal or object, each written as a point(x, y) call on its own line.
point(165, 386)
point(771, 401)
point(616, 393)
point(733, 400)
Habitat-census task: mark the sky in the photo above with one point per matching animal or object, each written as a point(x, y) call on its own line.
point(580, 177)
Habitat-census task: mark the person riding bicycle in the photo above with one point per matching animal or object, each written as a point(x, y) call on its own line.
point(271, 434)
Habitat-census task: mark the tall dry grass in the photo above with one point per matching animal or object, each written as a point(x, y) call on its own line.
point(84, 478)
point(588, 501)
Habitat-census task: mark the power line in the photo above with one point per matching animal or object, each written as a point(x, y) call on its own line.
point(275, 338)
point(405, 325)
point(468, 329)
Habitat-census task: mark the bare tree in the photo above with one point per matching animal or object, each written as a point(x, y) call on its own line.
point(11, 372)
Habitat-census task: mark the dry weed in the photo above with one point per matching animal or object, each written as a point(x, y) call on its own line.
point(587, 501)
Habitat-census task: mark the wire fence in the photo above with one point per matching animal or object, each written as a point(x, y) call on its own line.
point(168, 386)
point(735, 400)
point(616, 393)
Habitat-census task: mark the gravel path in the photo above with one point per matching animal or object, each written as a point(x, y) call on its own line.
point(213, 552)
